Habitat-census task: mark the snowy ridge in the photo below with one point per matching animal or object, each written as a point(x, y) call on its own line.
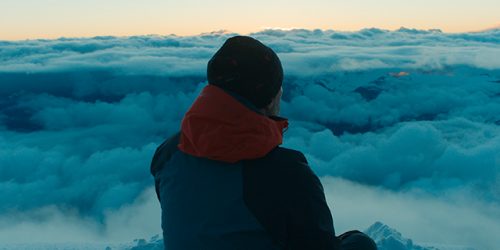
point(384, 236)
point(155, 243)
point(390, 239)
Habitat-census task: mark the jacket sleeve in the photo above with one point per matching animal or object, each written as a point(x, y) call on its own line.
point(161, 156)
point(309, 221)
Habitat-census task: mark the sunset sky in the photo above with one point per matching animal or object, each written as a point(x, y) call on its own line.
point(29, 19)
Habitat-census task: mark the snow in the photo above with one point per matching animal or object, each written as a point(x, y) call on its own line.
point(385, 237)
point(389, 239)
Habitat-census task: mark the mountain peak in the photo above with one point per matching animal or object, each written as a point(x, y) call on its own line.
point(388, 238)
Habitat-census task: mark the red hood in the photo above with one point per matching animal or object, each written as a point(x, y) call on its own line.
point(219, 127)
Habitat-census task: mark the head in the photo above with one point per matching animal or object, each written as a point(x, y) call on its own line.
point(248, 68)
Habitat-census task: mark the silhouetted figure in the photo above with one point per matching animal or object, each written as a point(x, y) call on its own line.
point(223, 181)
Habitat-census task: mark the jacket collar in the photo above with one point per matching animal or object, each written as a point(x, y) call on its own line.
point(223, 126)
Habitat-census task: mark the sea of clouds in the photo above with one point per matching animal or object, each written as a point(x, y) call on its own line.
point(402, 126)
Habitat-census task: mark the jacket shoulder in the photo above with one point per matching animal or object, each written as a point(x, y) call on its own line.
point(284, 157)
point(280, 166)
point(292, 166)
point(164, 152)
point(288, 162)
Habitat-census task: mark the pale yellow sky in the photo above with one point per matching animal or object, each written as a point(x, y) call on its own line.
point(28, 19)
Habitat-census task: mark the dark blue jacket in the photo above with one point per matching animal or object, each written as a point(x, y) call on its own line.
point(224, 183)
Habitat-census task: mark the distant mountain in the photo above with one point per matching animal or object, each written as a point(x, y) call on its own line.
point(390, 239)
point(385, 237)
point(155, 243)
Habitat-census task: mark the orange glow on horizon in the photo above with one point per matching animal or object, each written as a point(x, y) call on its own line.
point(19, 35)
point(48, 19)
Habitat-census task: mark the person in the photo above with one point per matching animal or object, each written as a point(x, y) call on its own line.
point(224, 181)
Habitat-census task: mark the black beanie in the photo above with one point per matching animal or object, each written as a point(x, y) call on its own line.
point(248, 68)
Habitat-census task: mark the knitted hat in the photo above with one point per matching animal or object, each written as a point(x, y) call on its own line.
point(248, 68)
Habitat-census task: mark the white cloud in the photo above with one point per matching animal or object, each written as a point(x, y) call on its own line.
point(51, 224)
point(456, 219)
point(401, 110)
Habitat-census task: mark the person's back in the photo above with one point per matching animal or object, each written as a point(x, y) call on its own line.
point(224, 182)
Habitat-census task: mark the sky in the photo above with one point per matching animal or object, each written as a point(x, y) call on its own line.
point(401, 126)
point(31, 19)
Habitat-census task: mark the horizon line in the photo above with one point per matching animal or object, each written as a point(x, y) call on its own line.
point(226, 31)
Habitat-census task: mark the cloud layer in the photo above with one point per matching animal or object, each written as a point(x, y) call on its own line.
point(406, 111)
